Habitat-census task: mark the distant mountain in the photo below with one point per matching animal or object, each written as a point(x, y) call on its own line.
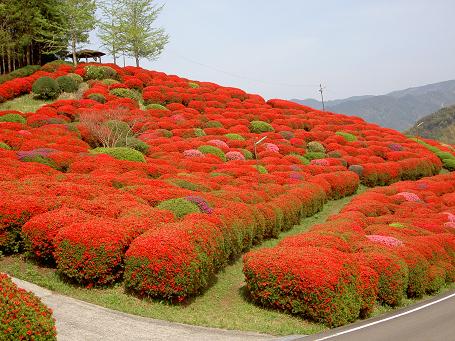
point(437, 126)
point(397, 109)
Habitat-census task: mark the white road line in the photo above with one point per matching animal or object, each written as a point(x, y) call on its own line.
point(386, 319)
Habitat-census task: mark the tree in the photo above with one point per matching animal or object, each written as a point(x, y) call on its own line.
point(27, 32)
point(110, 32)
point(80, 16)
point(140, 38)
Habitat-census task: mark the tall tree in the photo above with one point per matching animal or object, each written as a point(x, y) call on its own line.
point(110, 32)
point(140, 38)
point(80, 16)
point(27, 32)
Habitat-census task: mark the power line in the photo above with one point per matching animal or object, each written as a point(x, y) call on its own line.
point(239, 76)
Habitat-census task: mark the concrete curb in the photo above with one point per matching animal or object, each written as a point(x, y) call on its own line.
point(81, 321)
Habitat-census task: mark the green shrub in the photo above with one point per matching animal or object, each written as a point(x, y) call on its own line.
point(138, 145)
point(78, 79)
point(198, 132)
point(19, 73)
point(260, 127)
point(67, 84)
point(54, 65)
point(120, 153)
point(23, 315)
point(165, 133)
point(126, 93)
point(13, 118)
point(213, 124)
point(41, 159)
point(119, 128)
point(189, 185)
point(46, 88)
point(110, 81)
point(247, 154)
point(347, 136)
point(156, 106)
point(3, 145)
point(449, 164)
point(444, 155)
point(97, 97)
point(261, 169)
point(180, 207)
point(193, 85)
point(206, 149)
point(236, 137)
point(100, 72)
point(316, 147)
point(314, 155)
point(302, 159)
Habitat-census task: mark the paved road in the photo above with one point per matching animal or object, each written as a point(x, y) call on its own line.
point(432, 320)
point(80, 321)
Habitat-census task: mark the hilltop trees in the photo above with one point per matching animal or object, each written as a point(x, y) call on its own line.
point(80, 20)
point(29, 32)
point(51, 27)
point(128, 27)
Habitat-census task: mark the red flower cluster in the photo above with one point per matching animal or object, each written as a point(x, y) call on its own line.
point(22, 314)
point(391, 242)
point(98, 216)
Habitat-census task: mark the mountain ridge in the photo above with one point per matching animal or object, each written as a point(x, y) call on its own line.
point(398, 109)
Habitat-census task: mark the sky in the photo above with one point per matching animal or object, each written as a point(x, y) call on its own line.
point(285, 49)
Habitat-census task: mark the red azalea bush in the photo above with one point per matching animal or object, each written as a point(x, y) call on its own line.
point(394, 253)
point(99, 216)
point(22, 314)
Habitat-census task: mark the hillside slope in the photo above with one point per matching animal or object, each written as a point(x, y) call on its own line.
point(397, 109)
point(438, 126)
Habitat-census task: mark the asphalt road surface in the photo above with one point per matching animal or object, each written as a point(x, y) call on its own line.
point(431, 320)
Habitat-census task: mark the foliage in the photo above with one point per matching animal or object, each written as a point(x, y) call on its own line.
point(126, 93)
point(12, 118)
point(207, 149)
point(180, 207)
point(46, 88)
point(260, 127)
point(99, 72)
point(67, 84)
point(23, 315)
point(120, 153)
point(139, 38)
point(347, 136)
point(80, 16)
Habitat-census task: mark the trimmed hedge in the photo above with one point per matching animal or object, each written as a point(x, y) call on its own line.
point(46, 88)
point(126, 93)
point(13, 118)
point(120, 153)
point(260, 127)
point(100, 72)
point(67, 84)
point(207, 149)
point(180, 207)
point(347, 136)
point(23, 316)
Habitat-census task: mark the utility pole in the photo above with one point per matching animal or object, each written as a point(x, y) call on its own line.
point(321, 90)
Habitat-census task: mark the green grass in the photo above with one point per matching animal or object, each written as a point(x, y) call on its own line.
point(223, 305)
point(24, 103)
